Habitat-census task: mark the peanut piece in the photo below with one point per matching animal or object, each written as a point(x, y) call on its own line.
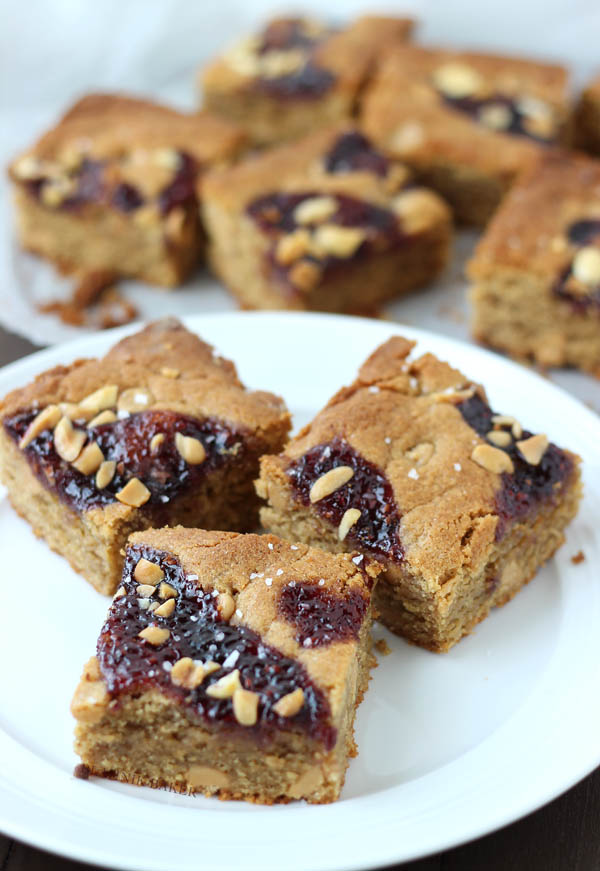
point(245, 707)
point(226, 605)
point(533, 448)
point(330, 482)
point(101, 399)
point(492, 459)
point(89, 460)
point(68, 441)
point(192, 450)
point(46, 419)
point(134, 493)
point(105, 474)
point(351, 515)
point(225, 687)
point(154, 635)
point(166, 609)
point(291, 704)
point(147, 572)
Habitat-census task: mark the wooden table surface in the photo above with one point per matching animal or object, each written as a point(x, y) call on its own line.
point(563, 836)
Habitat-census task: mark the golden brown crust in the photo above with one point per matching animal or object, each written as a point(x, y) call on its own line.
point(115, 124)
point(206, 384)
point(529, 231)
point(469, 163)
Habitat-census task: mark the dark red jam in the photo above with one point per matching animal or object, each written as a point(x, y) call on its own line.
point(516, 125)
point(92, 186)
point(353, 152)
point(321, 618)
point(274, 214)
point(524, 489)
point(309, 81)
point(580, 233)
point(377, 529)
point(165, 473)
point(131, 665)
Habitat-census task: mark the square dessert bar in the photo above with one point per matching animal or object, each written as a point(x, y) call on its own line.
point(230, 665)
point(327, 223)
point(159, 431)
point(587, 118)
point(467, 123)
point(410, 465)
point(114, 186)
point(297, 74)
point(536, 271)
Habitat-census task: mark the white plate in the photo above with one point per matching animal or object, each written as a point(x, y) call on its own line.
point(451, 746)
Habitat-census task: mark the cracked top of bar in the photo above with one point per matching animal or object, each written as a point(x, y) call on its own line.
point(424, 428)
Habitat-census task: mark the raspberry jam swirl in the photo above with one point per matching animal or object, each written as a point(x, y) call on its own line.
point(196, 629)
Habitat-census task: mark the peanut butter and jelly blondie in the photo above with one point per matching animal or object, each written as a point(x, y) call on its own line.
point(115, 186)
point(327, 223)
point(410, 465)
point(159, 431)
point(536, 271)
point(297, 74)
point(467, 123)
point(230, 665)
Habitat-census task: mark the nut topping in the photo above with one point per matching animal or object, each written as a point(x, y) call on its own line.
point(457, 80)
point(499, 437)
point(192, 450)
point(101, 399)
point(292, 246)
point(315, 210)
point(492, 459)
point(168, 372)
point(134, 493)
point(74, 411)
point(496, 116)
point(105, 474)
point(46, 419)
point(507, 420)
point(89, 460)
point(105, 416)
point(187, 673)
point(351, 515)
point(166, 591)
point(225, 687)
point(305, 275)
point(418, 208)
point(533, 448)
point(166, 609)
point(226, 604)
point(154, 635)
point(338, 241)
point(245, 707)
point(147, 572)
point(586, 265)
point(156, 441)
point(330, 482)
point(291, 704)
point(120, 592)
point(68, 441)
point(145, 590)
point(135, 399)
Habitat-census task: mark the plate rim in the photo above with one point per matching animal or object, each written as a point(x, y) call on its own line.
point(95, 343)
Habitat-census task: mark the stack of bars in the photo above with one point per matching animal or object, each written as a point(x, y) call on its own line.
point(232, 663)
point(322, 174)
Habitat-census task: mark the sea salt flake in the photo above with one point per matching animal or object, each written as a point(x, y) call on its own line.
point(279, 572)
point(322, 582)
point(167, 665)
point(268, 581)
point(238, 613)
point(219, 636)
point(270, 545)
point(413, 474)
point(307, 642)
point(293, 547)
point(357, 559)
point(373, 389)
point(191, 577)
point(231, 659)
point(457, 467)
point(387, 440)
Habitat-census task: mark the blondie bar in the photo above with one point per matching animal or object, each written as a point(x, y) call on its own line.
point(467, 123)
point(297, 74)
point(327, 223)
point(230, 665)
point(159, 431)
point(536, 271)
point(410, 465)
point(115, 185)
